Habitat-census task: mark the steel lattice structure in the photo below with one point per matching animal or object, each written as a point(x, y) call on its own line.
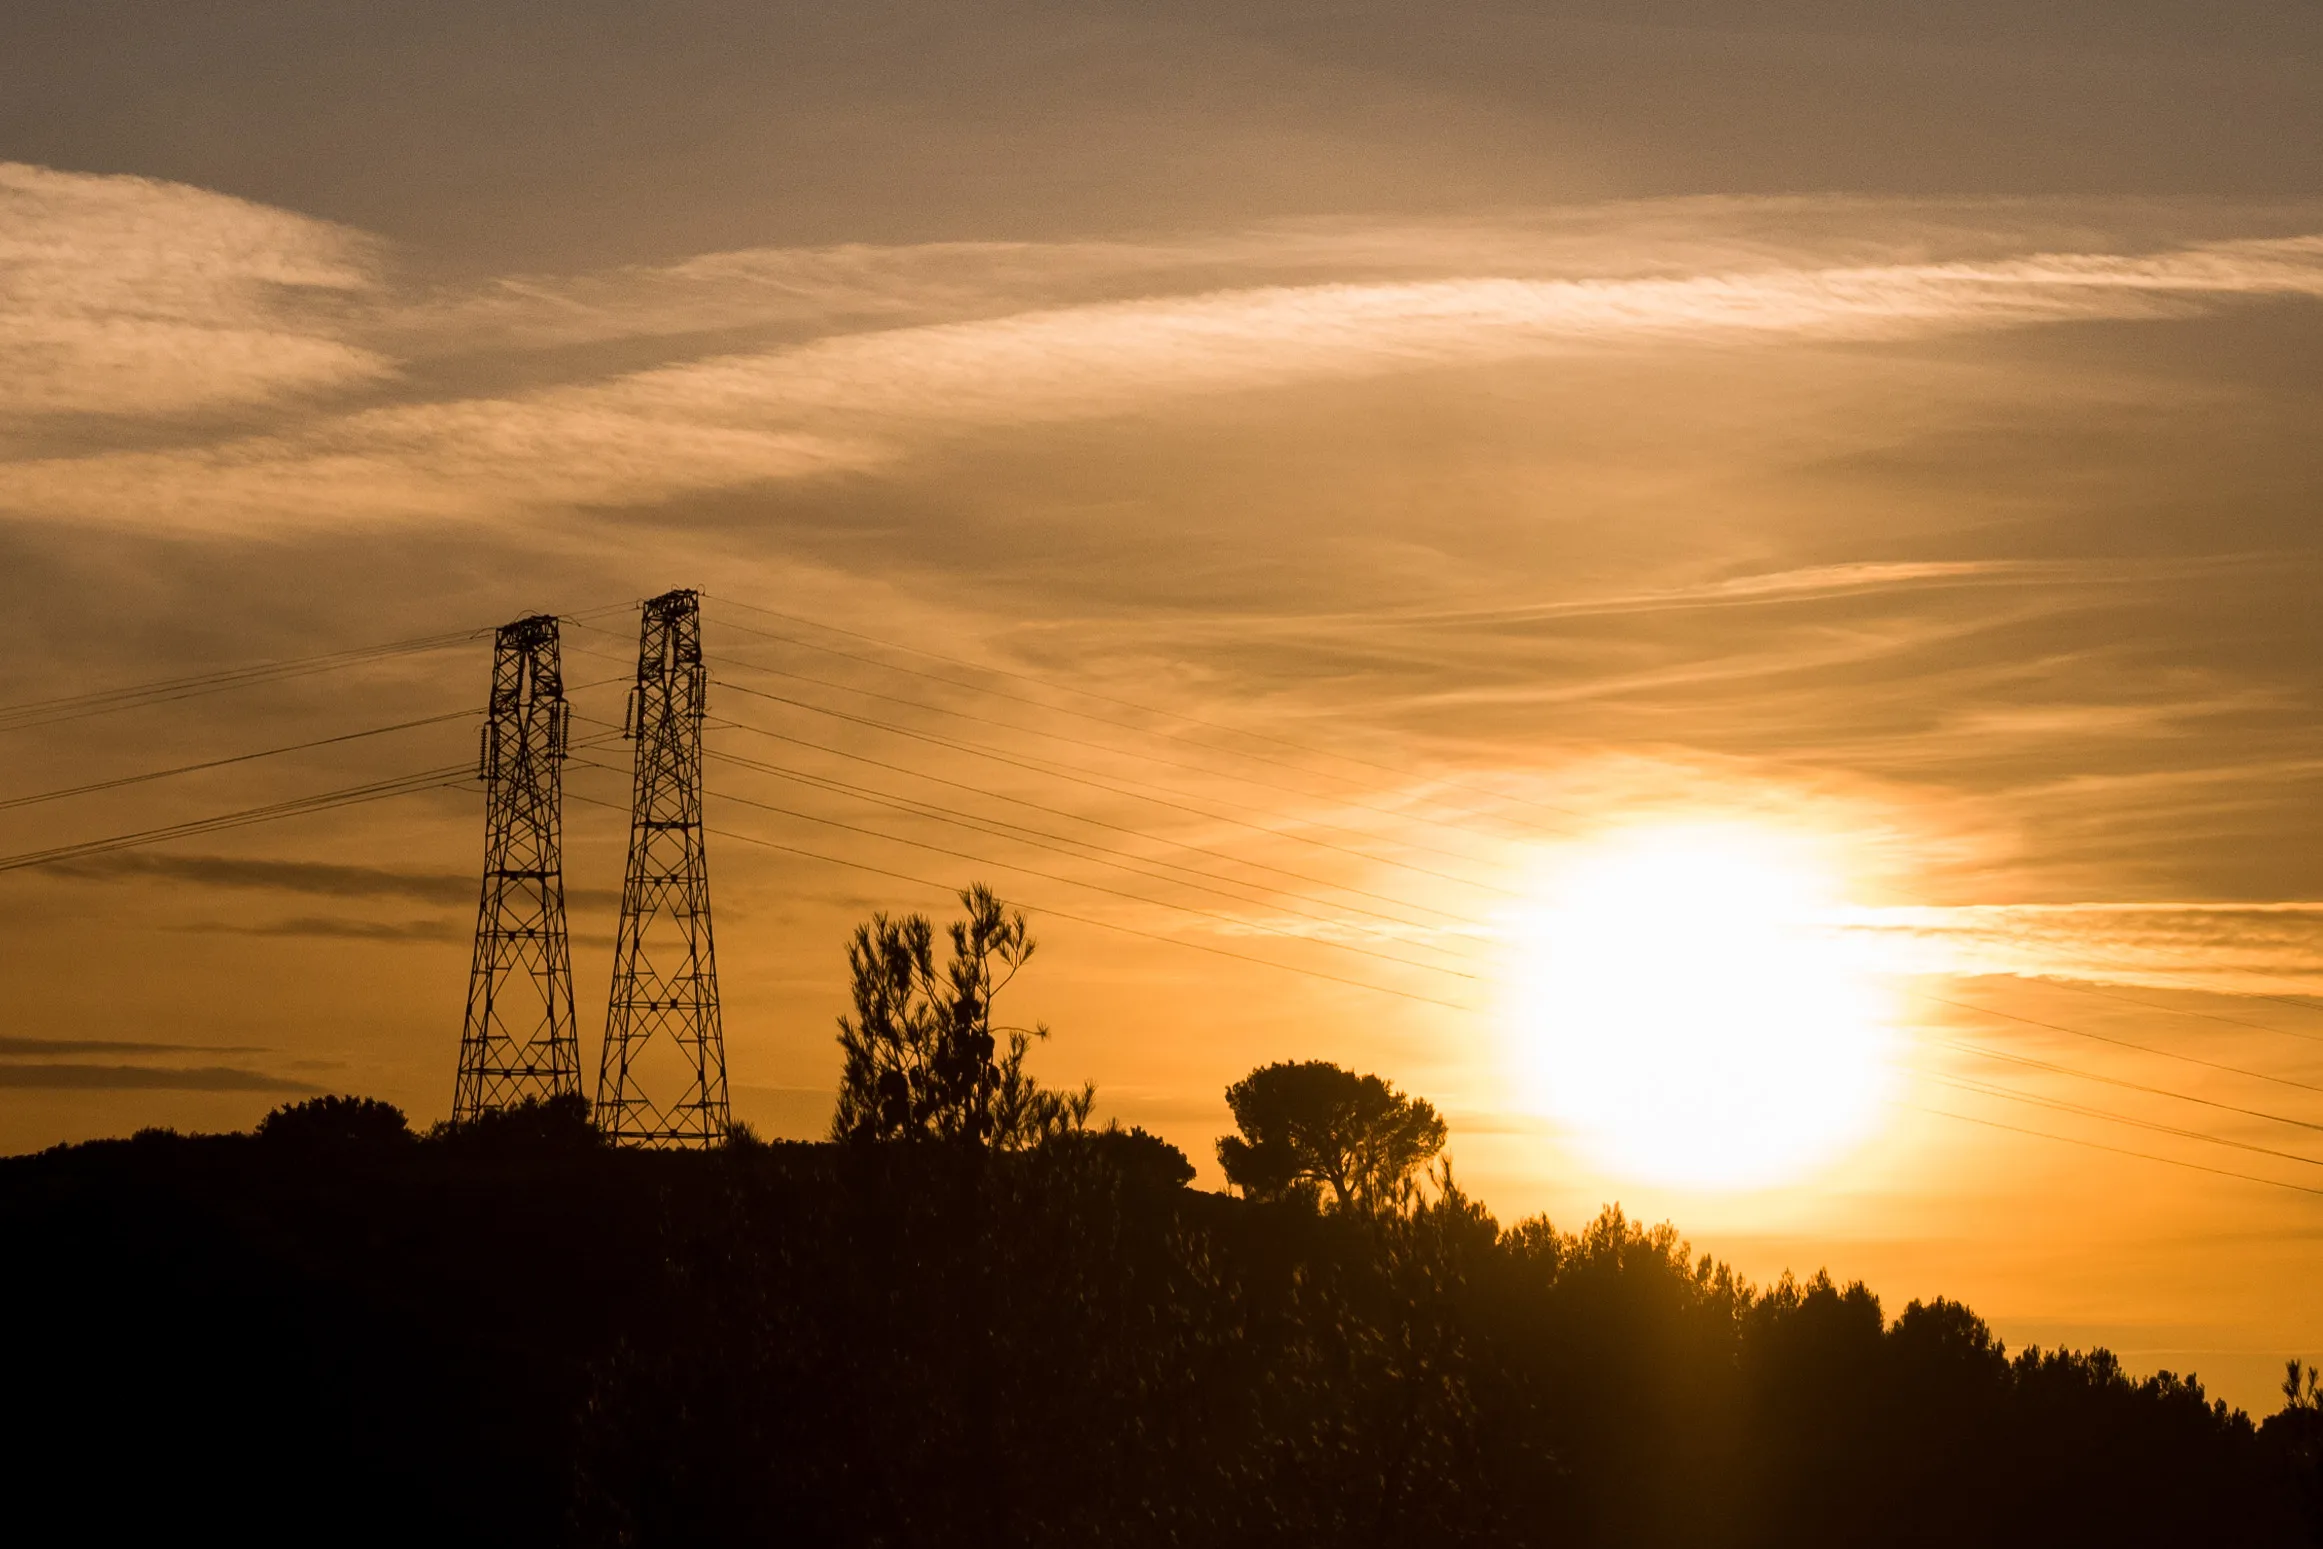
point(665, 972)
point(519, 1040)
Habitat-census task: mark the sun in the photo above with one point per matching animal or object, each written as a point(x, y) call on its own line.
point(1686, 1008)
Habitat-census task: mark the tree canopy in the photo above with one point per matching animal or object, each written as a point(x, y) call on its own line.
point(1311, 1125)
point(923, 1059)
point(336, 1121)
point(932, 1347)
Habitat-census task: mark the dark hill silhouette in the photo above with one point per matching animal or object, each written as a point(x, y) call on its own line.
point(336, 1332)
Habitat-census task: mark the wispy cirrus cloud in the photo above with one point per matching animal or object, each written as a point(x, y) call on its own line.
point(2227, 947)
point(866, 379)
point(128, 296)
point(1814, 583)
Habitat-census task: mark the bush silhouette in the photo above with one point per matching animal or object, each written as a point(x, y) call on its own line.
point(340, 1122)
point(1134, 1155)
point(535, 1126)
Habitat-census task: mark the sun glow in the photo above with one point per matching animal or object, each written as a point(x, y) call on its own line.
point(1687, 1009)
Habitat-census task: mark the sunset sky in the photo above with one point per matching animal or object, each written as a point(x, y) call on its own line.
point(1326, 507)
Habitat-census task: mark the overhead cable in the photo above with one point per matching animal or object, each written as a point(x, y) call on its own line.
point(450, 776)
point(1095, 887)
point(2133, 1086)
point(2084, 987)
point(1112, 827)
point(1130, 704)
point(1061, 772)
point(1207, 770)
point(1062, 914)
point(2096, 1145)
point(134, 696)
point(95, 786)
point(2168, 1054)
point(2059, 1105)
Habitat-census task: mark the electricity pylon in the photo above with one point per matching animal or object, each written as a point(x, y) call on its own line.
point(665, 973)
point(519, 1040)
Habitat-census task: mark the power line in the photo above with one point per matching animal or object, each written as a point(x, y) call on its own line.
point(1098, 887)
point(48, 712)
point(2095, 1145)
point(1131, 704)
point(2168, 1054)
point(1118, 828)
point(2133, 1086)
point(1179, 716)
point(842, 753)
point(95, 786)
point(1113, 859)
point(1100, 720)
point(1035, 767)
point(928, 808)
point(1236, 860)
point(2084, 988)
point(1147, 758)
point(447, 777)
point(1061, 772)
point(134, 696)
point(2059, 1105)
point(401, 785)
point(1038, 704)
point(1062, 914)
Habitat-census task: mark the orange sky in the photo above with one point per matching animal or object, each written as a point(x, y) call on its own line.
point(1332, 466)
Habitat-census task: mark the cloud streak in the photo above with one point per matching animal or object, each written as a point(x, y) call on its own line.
point(866, 398)
point(20, 1048)
point(1808, 584)
point(127, 296)
point(114, 1078)
point(319, 878)
point(331, 927)
point(2233, 948)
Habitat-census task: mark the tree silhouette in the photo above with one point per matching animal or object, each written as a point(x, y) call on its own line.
point(922, 1056)
point(336, 1121)
point(513, 1329)
point(1134, 1153)
point(537, 1124)
point(1314, 1124)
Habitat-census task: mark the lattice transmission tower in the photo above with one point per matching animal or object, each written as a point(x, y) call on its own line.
point(665, 973)
point(519, 1039)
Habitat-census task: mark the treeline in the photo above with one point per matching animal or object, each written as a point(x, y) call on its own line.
point(972, 1319)
point(337, 1331)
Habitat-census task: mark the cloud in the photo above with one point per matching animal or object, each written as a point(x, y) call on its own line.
point(209, 1078)
point(865, 397)
point(127, 296)
point(18, 1048)
point(341, 929)
point(856, 287)
point(322, 878)
point(1802, 585)
point(2234, 948)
